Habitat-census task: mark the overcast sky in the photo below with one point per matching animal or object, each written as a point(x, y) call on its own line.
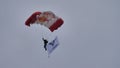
point(89, 38)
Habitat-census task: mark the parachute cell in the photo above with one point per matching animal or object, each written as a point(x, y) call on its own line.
point(32, 18)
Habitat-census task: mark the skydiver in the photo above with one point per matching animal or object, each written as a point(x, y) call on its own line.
point(45, 43)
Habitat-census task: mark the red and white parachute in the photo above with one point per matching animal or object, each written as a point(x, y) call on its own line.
point(47, 18)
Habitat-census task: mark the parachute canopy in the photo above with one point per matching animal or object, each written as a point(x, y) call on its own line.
point(47, 18)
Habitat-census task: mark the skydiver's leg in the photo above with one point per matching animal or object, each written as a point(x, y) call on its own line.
point(45, 46)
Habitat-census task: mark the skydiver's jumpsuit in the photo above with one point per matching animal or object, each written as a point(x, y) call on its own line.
point(45, 43)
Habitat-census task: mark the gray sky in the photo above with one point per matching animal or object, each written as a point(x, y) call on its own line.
point(89, 38)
